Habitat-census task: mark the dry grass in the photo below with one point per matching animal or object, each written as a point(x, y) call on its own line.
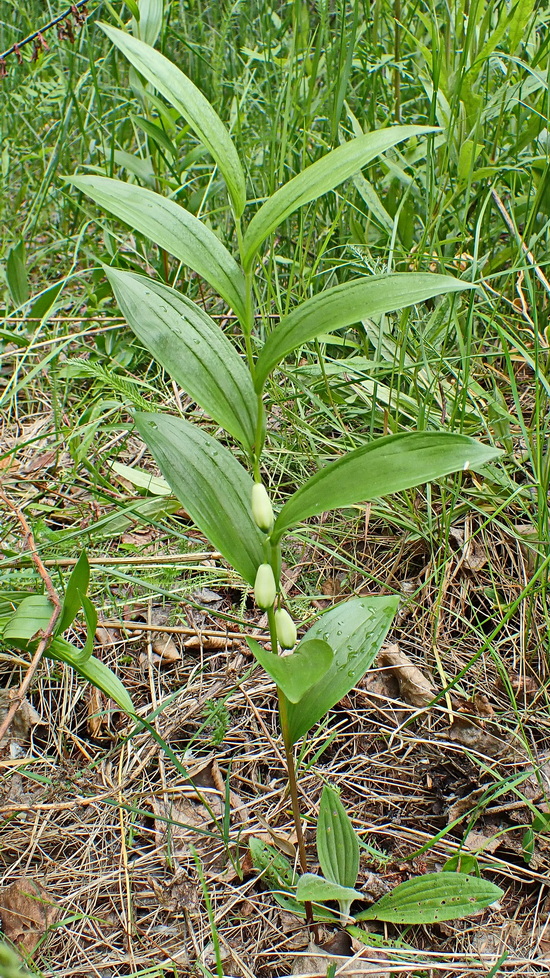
point(104, 831)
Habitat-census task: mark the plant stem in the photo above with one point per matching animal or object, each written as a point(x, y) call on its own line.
point(290, 768)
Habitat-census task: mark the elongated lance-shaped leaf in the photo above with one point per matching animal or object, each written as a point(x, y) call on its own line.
point(431, 898)
point(295, 673)
point(212, 485)
point(76, 587)
point(192, 348)
point(173, 228)
point(355, 631)
point(385, 465)
point(337, 843)
point(184, 95)
point(346, 304)
point(323, 175)
point(94, 671)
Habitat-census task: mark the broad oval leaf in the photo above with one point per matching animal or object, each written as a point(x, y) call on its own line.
point(433, 897)
point(295, 673)
point(31, 616)
point(385, 465)
point(94, 671)
point(323, 175)
point(192, 348)
point(184, 95)
point(212, 485)
point(317, 890)
point(346, 304)
point(355, 631)
point(172, 228)
point(337, 843)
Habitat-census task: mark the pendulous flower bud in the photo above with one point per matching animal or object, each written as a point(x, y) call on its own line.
point(286, 629)
point(262, 513)
point(265, 589)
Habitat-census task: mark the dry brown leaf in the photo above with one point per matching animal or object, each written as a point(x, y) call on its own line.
point(165, 648)
point(487, 840)
point(25, 718)
point(205, 641)
point(468, 726)
point(474, 556)
point(177, 895)
point(414, 688)
point(315, 963)
point(40, 462)
point(98, 719)
point(464, 731)
point(27, 911)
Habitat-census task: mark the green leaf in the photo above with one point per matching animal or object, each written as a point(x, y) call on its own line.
point(172, 228)
point(317, 179)
point(31, 616)
point(385, 465)
point(337, 843)
point(432, 898)
point(355, 631)
point(180, 91)
point(192, 348)
point(157, 134)
point(318, 890)
point(151, 14)
point(16, 274)
point(349, 303)
point(94, 671)
point(275, 868)
point(295, 673)
point(155, 485)
point(90, 615)
point(212, 485)
point(76, 587)
point(278, 874)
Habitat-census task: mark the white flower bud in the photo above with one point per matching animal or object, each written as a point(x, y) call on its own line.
point(265, 589)
point(286, 629)
point(262, 513)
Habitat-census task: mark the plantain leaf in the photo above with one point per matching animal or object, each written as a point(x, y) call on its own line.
point(94, 671)
point(337, 843)
point(172, 228)
point(192, 348)
point(346, 304)
point(184, 95)
point(323, 175)
point(212, 485)
point(317, 890)
point(385, 465)
point(431, 898)
point(355, 631)
point(295, 673)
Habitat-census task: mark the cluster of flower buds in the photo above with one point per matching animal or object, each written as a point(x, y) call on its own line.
point(265, 587)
